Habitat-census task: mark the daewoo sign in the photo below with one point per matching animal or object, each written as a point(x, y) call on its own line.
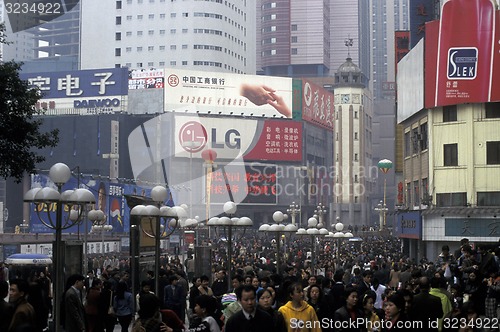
point(92, 103)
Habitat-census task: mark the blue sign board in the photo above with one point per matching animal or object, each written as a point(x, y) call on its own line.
point(462, 63)
point(79, 84)
point(469, 227)
point(421, 11)
point(409, 225)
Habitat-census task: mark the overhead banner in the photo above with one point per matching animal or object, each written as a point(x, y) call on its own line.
point(146, 79)
point(462, 57)
point(231, 94)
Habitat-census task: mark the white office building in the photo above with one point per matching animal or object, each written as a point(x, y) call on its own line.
point(212, 35)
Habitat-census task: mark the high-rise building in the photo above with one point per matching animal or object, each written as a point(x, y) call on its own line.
point(206, 35)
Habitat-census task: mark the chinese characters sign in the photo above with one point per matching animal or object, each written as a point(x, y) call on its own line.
point(80, 84)
point(146, 79)
point(256, 181)
point(472, 227)
point(317, 105)
point(279, 140)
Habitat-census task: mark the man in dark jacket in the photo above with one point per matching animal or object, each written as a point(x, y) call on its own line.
point(24, 314)
point(6, 309)
point(250, 318)
point(426, 308)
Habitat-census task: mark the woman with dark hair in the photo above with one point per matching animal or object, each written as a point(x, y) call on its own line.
point(296, 309)
point(371, 318)
point(394, 313)
point(105, 301)
point(204, 308)
point(265, 301)
point(92, 306)
point(149, 315)
point(317, 301)
point(349, 312)
point(123, 305)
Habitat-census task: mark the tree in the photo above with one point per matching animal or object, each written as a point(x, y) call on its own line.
point(20, 136)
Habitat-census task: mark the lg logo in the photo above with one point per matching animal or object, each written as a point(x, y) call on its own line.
point(193, 137)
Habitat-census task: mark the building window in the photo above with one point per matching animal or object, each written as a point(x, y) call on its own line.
point(294, 39)
point(451, 199)
point(139, 17)
point(151, 64)
point(450, 113)
point(416, 193)
point(161, 63)
point(407, 144)
point(491, 198)
point(151, 48)
point(184, 46)
point(184, 63)
point(139, 49)
point(172, 31)
point(451, 154)
point(128, 33)
point(294, 51)
point(355, 157)
point(355, 135)
point(173, 47)
point(162, 16)
point(423, 137)
point(118, 20)
point(162, 48)
point(492, 110)
point(356, 178)
point(493, 153)
point(118, 51)
point(118, 36)
point(139, 64)
point(151, 16)
point(355, 114)
point(151, 32)
point(162, 32)
point(118, 5)
point(426, 199)
point(173, 63)
point(128, 49)
point(294, 27)
point(415, 136)
point(408, 194)
point(185, 14)
point(139, 33)
point(129, 18)
point(172, 15)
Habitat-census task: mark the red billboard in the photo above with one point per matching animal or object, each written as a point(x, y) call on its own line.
point(317, 105)
point(459, 54)
point(279, 140)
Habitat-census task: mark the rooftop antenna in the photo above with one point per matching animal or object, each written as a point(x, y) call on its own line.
point(348, 42)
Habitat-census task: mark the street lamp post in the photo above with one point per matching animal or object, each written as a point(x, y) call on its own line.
point(339, 235)
point(293, 211)
point(79, 198)
point(229, 224)
point(314, 230)
point(278, 229)
point(99, 225)
point(381, 208)
point(159, 216)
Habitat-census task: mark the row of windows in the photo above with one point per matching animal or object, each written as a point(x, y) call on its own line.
point(491, 111)
point(492, 153)
point(211, 15)
point(485, 198)
point(208, 47)
point(207, 63)
point(209, 31)
point(416, 140)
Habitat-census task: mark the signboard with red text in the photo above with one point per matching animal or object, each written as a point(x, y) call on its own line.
point(257, 182)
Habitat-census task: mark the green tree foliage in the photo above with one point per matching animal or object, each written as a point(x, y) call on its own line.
point(20, 136)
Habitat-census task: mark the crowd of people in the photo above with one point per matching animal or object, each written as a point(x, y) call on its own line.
point(320, 286)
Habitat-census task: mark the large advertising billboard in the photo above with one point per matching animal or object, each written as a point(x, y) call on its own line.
point(230, 94)
point(83, 92)
point(462, 54)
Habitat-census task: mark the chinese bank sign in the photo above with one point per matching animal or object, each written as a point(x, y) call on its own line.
point(462, 54)
point(83, 92)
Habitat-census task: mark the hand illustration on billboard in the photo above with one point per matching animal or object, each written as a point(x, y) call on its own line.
point(264, 95)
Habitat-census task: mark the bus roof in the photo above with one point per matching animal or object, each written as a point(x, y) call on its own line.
point(28, 259)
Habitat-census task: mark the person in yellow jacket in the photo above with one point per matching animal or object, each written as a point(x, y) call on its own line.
point(298, 314)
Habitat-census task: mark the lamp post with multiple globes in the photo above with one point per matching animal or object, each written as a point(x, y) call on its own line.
point(278, 229)
point(314, 230)
point(75, 202)
point(161, 221)
point(228, 225)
